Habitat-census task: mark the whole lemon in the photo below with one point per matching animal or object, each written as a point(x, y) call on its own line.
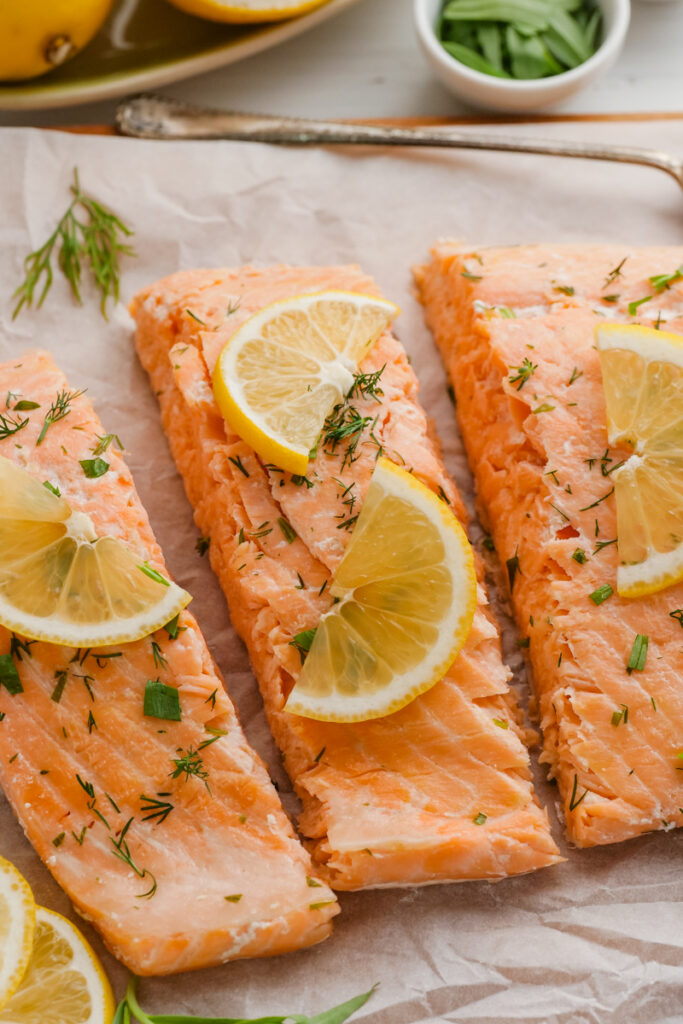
point(37, 36)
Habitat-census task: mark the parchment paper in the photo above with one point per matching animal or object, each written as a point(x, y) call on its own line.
point(598, 939)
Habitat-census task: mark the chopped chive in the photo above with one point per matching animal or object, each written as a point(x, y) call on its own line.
point(636, 661)
point(544, 407)
point(501, 723)
point(601, 593)
point(58, 840)
point(233, 899)
point(153, 574)
point(480, 818)
point(580, 556)
point(51, 487)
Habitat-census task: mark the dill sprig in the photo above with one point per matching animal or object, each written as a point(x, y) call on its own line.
point(346, 424)
point(60, 408)
point(366, 385)
point(155, 809)
point(88, 234)
point(522, 373)
point(122, 851)
point(190, 763)
point(11, 425)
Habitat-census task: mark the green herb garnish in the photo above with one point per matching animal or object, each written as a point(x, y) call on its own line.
point(153, 809)
point(288, 531)
point(660, 283)
point(189, 764)
point(11, 425)
point(480, 818)
point(153, 574)
point(161, 701)
point(633, 306)
point(103, 443)
point(94, 468)
point(638, 656)
point(302, 642)
point(601, 594)
point(522, 373)
point(60, 408)
point(202, 545)
point(9, 677)
point(96, 241)
point(130, 1010)
point(122, 851)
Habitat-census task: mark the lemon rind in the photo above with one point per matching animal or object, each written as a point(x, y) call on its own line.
point(21, 945)
point(36, 628)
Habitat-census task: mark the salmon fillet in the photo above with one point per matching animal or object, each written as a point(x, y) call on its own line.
point(394, 801)
point(536, 436)
point(220, 874)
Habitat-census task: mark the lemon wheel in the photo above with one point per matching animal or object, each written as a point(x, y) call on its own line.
point(283, 370)
point(17, 920)
point(406, 594)
point(61, 583)
point(642, 372)
point(64, 982)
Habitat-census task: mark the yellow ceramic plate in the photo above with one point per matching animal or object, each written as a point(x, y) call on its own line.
point(148, 43)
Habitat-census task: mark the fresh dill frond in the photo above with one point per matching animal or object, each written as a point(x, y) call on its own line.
point(366, 385)
point(189, 764)
point(60, 408)
point(87, 235)
point(11, 425)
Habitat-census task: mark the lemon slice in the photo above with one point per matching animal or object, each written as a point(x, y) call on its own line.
point(406, 591)
point(247, 10)
point(282, 372)
point(17, 918)
point(642, 372)
point(64, 982)
point(59, 582)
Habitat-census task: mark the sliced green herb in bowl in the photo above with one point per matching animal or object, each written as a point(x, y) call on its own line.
point(520, 39)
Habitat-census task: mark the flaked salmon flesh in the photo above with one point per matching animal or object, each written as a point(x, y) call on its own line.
point(219, 874)
point(516, 330)
point(438, 791)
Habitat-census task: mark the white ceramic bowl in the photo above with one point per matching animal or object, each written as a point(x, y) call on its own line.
point(482, 90)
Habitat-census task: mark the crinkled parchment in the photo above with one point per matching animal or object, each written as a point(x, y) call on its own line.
point(598, 939)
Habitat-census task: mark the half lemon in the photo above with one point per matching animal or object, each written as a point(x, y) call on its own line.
point(61, 583)
point(285, 368)
point(406, 593)
point(642, 373)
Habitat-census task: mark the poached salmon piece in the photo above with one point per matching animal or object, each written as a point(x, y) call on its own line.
point(167, 835)
point(441, 789)
point(516, 331)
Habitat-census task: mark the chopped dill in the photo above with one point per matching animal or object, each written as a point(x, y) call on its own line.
point(522, 373)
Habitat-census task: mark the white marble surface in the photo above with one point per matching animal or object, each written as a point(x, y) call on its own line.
point(366, 63)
